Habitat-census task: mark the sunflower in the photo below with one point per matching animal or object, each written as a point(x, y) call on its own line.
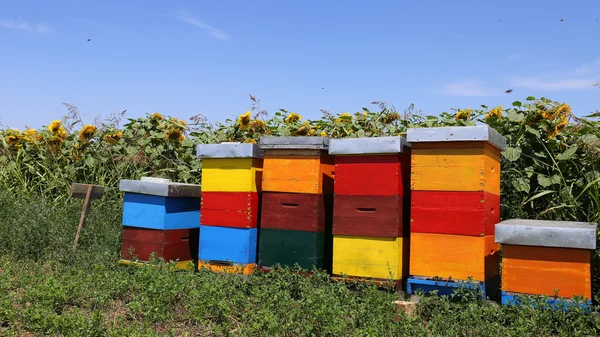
point(175, 135)
point(562, 124)
point(323, 134)
point(14, 137)
point(62, 133)
point(463, 114)
point(365, 114)
point(31, 135)
point(87, 132)
point(113, 138)
point(303, 130)
point(346, 116)
point(244, 120)
point(546, 115)
point(157, 117)
point(257, 125)
point(562, 110)
point(55, 141)
point(292, 118)
point(252, 141)
point(495, 112)
point(55, 126)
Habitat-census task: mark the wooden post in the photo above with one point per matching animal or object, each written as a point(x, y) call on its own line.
point(91, 192)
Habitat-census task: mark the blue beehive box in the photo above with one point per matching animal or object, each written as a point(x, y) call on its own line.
point(160, 205)
point(225, 244)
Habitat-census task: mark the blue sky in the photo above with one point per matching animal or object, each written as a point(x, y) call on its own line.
point(182, 58)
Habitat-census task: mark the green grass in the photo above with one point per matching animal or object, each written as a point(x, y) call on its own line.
point(48, 289)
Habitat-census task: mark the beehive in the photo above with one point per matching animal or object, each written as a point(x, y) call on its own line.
point(546, 258)
point(231, 185)
point(371, 207)
point(295, 226)
point(160, 218)
point(455, 202)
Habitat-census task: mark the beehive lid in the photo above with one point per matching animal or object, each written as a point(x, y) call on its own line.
point(294, 143)
point(229, 150)
point(169, 189)
point(374, 145)
point(543, 233)
point(480, 133)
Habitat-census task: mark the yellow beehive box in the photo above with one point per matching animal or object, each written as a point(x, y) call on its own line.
point(370, 257)
point(232, 175)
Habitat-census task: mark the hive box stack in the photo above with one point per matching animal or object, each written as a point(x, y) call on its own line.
point(455, 203)
point(371, 207)
point(160, 217)
point(231, 180)
point(546, 258)
point(296, 211)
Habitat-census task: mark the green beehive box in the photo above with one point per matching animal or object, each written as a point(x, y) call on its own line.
point(290, 247)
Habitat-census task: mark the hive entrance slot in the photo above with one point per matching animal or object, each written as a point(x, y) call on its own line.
point(366, 209)
point(220, 263)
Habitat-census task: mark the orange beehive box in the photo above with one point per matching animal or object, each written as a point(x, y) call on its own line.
point(456, 257)
point(456, 159)
point(547, 271)
point(547, 257)
point(297, 165)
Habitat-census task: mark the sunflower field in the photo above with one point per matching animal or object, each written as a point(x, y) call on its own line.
point(551, 169)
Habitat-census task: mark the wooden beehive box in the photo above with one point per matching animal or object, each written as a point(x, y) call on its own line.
point(301, 212)
point(171, 245)
point(547, 257)
point(463, 158)
point(456, 257)
point(290, 247)
point(225, 244)
point(162, 206)
point(297, 165)
point(230, 167)
point(370, 257)
point(231, 183)
point(371, 166)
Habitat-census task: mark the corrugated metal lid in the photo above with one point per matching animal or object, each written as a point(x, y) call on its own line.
point(482, 133)
point(177, 190)
point(544, 233)
point(229, 150)
point(367, 145)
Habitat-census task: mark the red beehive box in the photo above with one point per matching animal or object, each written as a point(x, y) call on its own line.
point(374, 175)
point(379, 216)
point(178, 244)
point(230, 209)
point(300, 212)
point(454, 212)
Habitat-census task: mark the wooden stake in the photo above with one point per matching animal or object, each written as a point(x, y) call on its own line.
point(84, 211)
